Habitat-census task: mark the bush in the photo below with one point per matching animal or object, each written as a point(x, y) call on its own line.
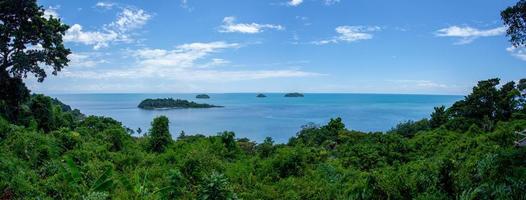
point(159, 134)
point(116, 137)
point(32, 147)
point(5, 128)
point(67, 139)
point(410, 128)
point(42, 111)
point(216, 186)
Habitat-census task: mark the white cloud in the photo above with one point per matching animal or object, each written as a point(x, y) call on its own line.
point(229, 26)
point(95, 38)
point(104, 5)
point(51, 11)
point(518, 52)
point(130, 19)
point(193, 75)
point(350, 34)
point(295, 2)
point(85, 60)
point(468, 34)
point(182, 64)
point(355, 33)
point(118, 31)
point(183, 56)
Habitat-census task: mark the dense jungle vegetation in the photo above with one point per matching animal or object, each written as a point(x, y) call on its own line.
point(50, 151)
point(466, 151)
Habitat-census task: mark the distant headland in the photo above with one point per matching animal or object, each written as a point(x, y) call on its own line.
point(294, 94)
point(260, 95)
point(169, 103)
point(202, 96)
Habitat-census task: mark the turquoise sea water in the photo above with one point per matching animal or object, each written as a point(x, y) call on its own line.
point(257, 118)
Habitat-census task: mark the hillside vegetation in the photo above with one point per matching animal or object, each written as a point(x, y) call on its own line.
point(463, 152)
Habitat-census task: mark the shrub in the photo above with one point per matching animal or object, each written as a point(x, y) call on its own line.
point(159, 134)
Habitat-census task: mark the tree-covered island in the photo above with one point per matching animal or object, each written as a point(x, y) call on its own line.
point(202, 96)
point(169, 103)
point(294, 94)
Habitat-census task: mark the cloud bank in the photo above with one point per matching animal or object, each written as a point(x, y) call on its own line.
point(468, 34)
point(119, 30)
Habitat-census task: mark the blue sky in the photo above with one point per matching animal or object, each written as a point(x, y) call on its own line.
point(356, 46)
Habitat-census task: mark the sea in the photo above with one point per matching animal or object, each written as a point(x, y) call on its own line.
point(255, 118)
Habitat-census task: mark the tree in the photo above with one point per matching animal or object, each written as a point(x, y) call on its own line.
point(410, 128)
point(42, 110)
point(481, 102)
point(486, 105)
point(116, 138)
point(507, 101)
point(266, 148)
point(438, 117)
point(27, 39)
point(159, 134)
point(335, 125)
point(514, 17)
point(229, 141)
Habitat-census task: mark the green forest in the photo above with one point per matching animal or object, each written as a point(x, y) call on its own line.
point(466, 151)
point(51, 151)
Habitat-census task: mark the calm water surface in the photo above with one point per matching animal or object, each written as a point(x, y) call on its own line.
point(257, 118)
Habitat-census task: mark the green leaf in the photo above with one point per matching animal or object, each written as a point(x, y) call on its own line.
point(104, 182)
point(73, 170)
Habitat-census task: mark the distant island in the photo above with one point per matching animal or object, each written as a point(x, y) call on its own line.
point(260, 95)
point(294, 94)
point(170, 103)
point(202, 96)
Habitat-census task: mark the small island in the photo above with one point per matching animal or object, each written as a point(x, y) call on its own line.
point(202, 96)
point(260, 95)
point(169, 103)
point(294, 94)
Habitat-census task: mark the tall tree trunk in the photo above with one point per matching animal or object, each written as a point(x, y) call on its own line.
point(13, 92)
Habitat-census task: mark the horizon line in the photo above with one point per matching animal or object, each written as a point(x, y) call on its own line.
point(357, 93)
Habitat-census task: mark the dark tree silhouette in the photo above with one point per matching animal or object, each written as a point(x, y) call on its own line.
point(514, 17)
point(27, 40)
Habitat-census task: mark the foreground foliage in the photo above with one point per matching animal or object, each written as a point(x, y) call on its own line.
point(52, 152)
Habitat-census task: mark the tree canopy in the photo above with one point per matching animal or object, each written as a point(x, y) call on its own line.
point(159, 134)
point(28, 40)
point(514, 17)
